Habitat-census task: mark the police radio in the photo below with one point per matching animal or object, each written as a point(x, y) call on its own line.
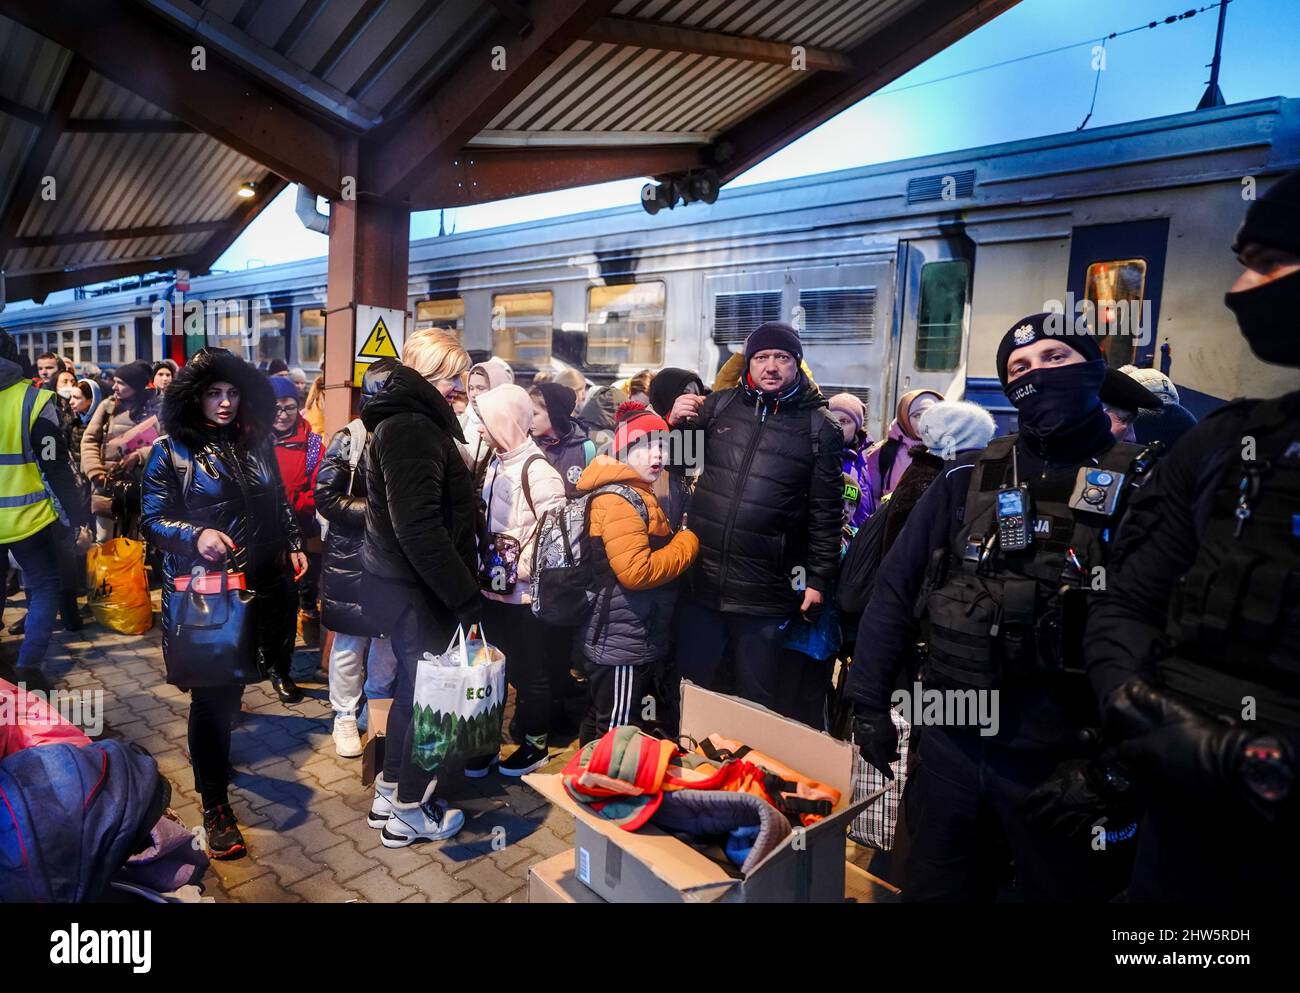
point(1015, 530)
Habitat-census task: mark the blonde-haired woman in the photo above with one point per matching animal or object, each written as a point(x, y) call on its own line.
point(420, 557)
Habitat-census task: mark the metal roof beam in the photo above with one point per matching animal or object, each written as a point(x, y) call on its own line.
point(136, 50)
point(25, 190)
point(670, 38)
point(116, 234)
point(482, 175)
point(449, 117)
point(38, 285)
point(124, 125)
point(879, 60)
point(21, 111)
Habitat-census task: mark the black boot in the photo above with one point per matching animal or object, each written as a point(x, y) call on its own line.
point(285, 688)
point(224, 839)
point(70, 613)
point(18, 626)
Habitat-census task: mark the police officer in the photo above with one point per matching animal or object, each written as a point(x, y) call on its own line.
point(1194, 650)
point(1003, 548)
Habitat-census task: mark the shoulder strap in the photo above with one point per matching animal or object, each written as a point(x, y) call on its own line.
point(629, 494)
point(357, 437)
point(588, 451)
point(727, 399)
point(527, 490)
point(816, 421)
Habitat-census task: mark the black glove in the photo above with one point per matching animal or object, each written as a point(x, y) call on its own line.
point(1078, 794)
point(877, 739)
point(1168, 741)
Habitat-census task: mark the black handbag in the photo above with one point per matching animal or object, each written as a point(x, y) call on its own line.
point(210, 637)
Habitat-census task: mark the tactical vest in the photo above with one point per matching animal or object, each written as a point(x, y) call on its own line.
point(1234, 618)
point(25, 504)
point(996, 617)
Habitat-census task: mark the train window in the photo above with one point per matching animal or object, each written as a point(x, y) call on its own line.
point(737, 314)
point(446, 314)
point(1114, 291)
point(119, 334)
point(271, 343)
point(68, 346)
point(103, 346)
point(625, 324)
point(311, 338)
point(84, 346)
point(521, 326)
point(941, 315)
point(231, 331)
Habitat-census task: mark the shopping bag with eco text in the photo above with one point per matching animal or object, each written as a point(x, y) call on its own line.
point(460, 699)
point(119, 589)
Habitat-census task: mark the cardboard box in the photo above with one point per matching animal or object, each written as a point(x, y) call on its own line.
point(372, 756)
point(651, 866)
point(553, 881)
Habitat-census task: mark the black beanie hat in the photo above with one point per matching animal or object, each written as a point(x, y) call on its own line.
point(773, 334)
point(1036, 327)
point(668, 385)
point(559, 401)
point(1274, 219)
point(135, 374)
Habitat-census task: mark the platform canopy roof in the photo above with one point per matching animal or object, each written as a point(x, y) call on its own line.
point(128, 126)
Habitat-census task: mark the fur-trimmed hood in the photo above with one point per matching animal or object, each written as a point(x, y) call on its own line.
point(182, 410)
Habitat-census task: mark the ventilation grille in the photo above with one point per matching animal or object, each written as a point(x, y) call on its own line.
point(838, 316)
point(863, 393)
point(923, 189)
point(735, 315)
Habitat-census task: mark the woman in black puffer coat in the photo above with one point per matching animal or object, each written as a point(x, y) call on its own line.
point(227, 506)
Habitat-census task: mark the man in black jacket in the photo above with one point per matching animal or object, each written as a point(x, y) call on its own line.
point(420, 557)
point(767, 509)
point(999, 631)
point(1193, 648)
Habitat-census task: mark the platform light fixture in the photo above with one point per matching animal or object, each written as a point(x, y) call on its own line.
point(246, 191)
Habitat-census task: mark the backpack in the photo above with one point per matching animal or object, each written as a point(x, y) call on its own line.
point(357, 437)
point(562, 584)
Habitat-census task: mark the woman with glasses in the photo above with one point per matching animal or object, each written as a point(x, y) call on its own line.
point(212, 498)
point(298, 450)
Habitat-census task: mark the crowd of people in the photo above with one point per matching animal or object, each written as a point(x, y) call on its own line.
point(750, 537)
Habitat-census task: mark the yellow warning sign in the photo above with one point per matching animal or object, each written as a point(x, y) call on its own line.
point(379, 343)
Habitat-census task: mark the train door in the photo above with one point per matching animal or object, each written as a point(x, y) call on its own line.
point(932, 317)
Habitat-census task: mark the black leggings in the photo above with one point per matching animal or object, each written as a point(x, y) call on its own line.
point(529, 645)
point(212, 708)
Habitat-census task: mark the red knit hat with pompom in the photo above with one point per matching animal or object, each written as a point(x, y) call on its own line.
point(633, 421)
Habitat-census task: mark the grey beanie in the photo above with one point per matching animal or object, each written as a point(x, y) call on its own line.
point(955, 426)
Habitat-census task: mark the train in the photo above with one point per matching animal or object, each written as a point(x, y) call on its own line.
point(898, 276)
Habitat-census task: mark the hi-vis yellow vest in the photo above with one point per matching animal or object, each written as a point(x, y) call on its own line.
point(25, 506)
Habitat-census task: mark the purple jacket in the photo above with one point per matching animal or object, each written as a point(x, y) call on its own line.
point(855, 465)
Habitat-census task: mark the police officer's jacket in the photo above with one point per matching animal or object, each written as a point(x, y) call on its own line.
point(1034, 711)
point(1190, 599)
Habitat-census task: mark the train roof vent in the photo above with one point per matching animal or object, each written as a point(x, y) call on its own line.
point(863, 393)
point(943, 186)
point(737, 314)
point(844, 315)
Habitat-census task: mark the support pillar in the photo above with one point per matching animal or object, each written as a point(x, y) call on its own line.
point(369, 256)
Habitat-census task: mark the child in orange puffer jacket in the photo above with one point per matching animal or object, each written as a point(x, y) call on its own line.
point(637, 560)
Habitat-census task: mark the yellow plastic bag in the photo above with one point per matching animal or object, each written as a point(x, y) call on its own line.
point(119, 589)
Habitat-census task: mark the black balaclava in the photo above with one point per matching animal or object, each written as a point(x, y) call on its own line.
point(1061, 418)
point(1267, 313)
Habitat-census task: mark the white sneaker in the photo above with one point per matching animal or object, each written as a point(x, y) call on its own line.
point(347, 739)
point(381, 807)
point(428, 820)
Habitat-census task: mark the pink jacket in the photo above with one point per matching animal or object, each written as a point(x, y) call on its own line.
point(27, 721)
